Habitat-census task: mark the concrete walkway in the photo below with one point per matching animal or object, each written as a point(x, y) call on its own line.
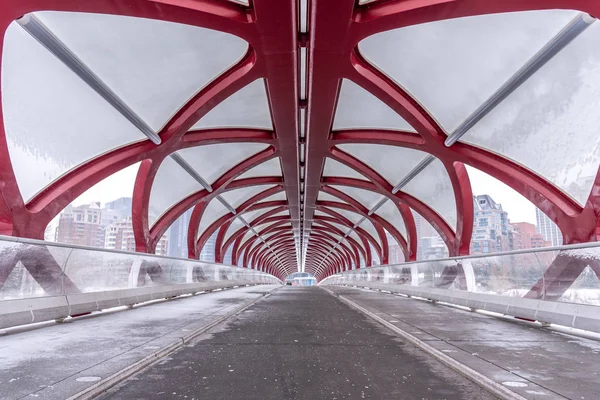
point(535, 362)
point(59, 361)
point(299, 343)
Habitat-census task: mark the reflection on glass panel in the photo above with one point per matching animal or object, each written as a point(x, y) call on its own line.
point(212, 161)
point(467, 59)
point(155, 81)
point(550, 123)
point(433, 187)
point(171, 184)
point(40, 270)
point(430, 245)
point(373, 112)
point(30, 270)
point(97, 271)
point(101, 216)
point(507, 275)
point(391, 162)
point(53, 120)
point(569, 275)
point(246, 108)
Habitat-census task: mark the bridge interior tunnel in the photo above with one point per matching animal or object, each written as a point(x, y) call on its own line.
point(308, 136)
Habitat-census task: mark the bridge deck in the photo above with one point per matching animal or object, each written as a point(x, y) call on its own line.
point(297, 343)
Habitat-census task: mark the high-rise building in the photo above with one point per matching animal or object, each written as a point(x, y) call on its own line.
point(119, 236)
point(81, 225)
point(208, 251)
point(548, 229)
point(122, 205)
point(424, 234)
point(527, 231)
point(396, 255)
point(490, 226)
point(178, 236)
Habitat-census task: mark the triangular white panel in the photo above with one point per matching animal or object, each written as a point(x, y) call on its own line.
point(391, 162)
point(252, 215)
point(389, 212)
point(237, 197)
point(368, 226)
point(212, 161)
point(246, 108)
point(53, 120)
point(154, 80)
point(335, 168)
point(433, 187)
point(268, 168)
point(235, 225)
point(466, 59)
point(352, 216)
point(323, 196)
point(276, 197)
point(358, 108)
point(213, 212)
point(171, 184)
point(365, 197)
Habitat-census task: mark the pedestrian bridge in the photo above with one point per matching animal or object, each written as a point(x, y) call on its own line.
point(336, 142)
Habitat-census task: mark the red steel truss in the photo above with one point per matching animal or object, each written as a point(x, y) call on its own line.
point(271, 29)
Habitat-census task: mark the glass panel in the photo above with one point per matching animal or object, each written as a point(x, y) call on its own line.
point(550, 124)
point(213, 212)
point(154, 80)
point(391, 162)
point(433, 187)
point(365, 197)
point(389, 212)
point(246, 108)
point(177, 236)
point(337, 169)
point(171, 184)
point(99, 214)
point(461, 61)
point(358, 108)
point(268, 168)
point(236, 197)
point(212, 161)
point(53, 120)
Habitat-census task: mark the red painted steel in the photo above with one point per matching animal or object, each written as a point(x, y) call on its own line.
point(270, 28)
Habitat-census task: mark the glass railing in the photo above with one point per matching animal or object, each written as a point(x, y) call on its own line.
point(30, 268)
point(565, 273)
